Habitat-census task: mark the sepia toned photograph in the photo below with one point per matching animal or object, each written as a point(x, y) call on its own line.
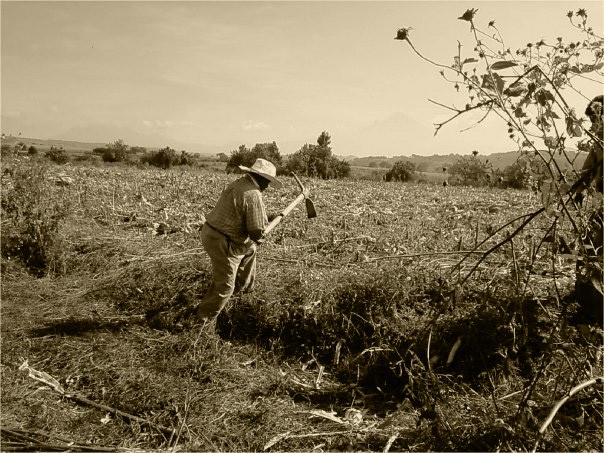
point(301, 226)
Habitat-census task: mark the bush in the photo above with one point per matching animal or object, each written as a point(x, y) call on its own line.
point(32, 150)
point(317, 160)
point(115, 152)
point(401, 171)
point(57, 155)
point(164, 158)
point(247, 157)
point(525, 172)
point(31, 216)
point(7, 150)
point(186, 158)
point(471, 171)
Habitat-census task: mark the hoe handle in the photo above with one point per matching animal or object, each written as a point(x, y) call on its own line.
point(284, 213)
point(298, 181)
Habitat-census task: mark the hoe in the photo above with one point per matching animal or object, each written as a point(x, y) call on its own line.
point(310, 207)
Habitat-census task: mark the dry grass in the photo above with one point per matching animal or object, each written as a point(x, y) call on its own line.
point(347, 342)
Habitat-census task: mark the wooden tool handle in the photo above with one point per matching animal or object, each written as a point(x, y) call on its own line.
point(284, 213)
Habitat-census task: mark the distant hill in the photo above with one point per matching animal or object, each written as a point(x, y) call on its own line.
point(73, 146)
point(45, 144)
point(436, 163)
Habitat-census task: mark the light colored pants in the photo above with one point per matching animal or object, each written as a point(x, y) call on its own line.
point(233, 269)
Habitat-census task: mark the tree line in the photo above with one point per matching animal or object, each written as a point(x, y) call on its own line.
point(318, 161)
point(310, 160)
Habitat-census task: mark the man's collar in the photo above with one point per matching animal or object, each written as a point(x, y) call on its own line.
point(254, 181)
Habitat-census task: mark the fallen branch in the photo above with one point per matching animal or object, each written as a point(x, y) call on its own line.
point(559, 404)
point(25, 441)
point(47, 379)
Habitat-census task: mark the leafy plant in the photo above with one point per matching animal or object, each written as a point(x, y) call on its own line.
point(528, 90)
point(32, 214)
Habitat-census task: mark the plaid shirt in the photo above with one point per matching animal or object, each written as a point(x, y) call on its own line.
point(239, 210)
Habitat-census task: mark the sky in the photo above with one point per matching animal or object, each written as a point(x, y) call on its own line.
point(228, 73)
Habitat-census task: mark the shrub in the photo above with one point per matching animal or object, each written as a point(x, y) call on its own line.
point(115, 152)
point(317, 160)
point(186, 158)
point(32, 150)
point(525, 172)
point(57, 155)
point(7, 150)
point(32, 214)
point(401, 171)
point(247, 157)
point(164, 158)
point(470, 171)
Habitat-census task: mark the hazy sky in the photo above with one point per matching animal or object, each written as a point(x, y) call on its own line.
point(248, 72)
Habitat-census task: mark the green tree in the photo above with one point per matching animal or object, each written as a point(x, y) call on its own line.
point(57, 155)
point(115, 152)
point(401, 171)
point(318, 161)
point(246, 157)
point(164, 158)
point(470, 171)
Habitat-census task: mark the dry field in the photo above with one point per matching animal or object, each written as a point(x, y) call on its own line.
point(365, 332)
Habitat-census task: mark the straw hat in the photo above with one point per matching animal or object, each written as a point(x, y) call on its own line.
point(265, 169)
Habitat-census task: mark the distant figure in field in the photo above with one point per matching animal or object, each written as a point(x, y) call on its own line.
point(445, 183)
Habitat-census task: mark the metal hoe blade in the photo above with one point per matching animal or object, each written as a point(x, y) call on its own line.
point(311, 212)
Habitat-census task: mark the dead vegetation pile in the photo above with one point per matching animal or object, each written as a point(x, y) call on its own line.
point(357, 336)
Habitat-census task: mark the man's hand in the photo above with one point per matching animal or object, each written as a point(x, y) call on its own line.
point(257, 236)
point(273, 215)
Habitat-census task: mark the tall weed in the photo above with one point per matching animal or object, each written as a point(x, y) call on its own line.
point(32, 211)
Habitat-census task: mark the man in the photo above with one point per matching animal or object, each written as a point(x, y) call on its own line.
point(231, 233)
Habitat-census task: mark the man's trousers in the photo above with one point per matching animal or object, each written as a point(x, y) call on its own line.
point(233, 270)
